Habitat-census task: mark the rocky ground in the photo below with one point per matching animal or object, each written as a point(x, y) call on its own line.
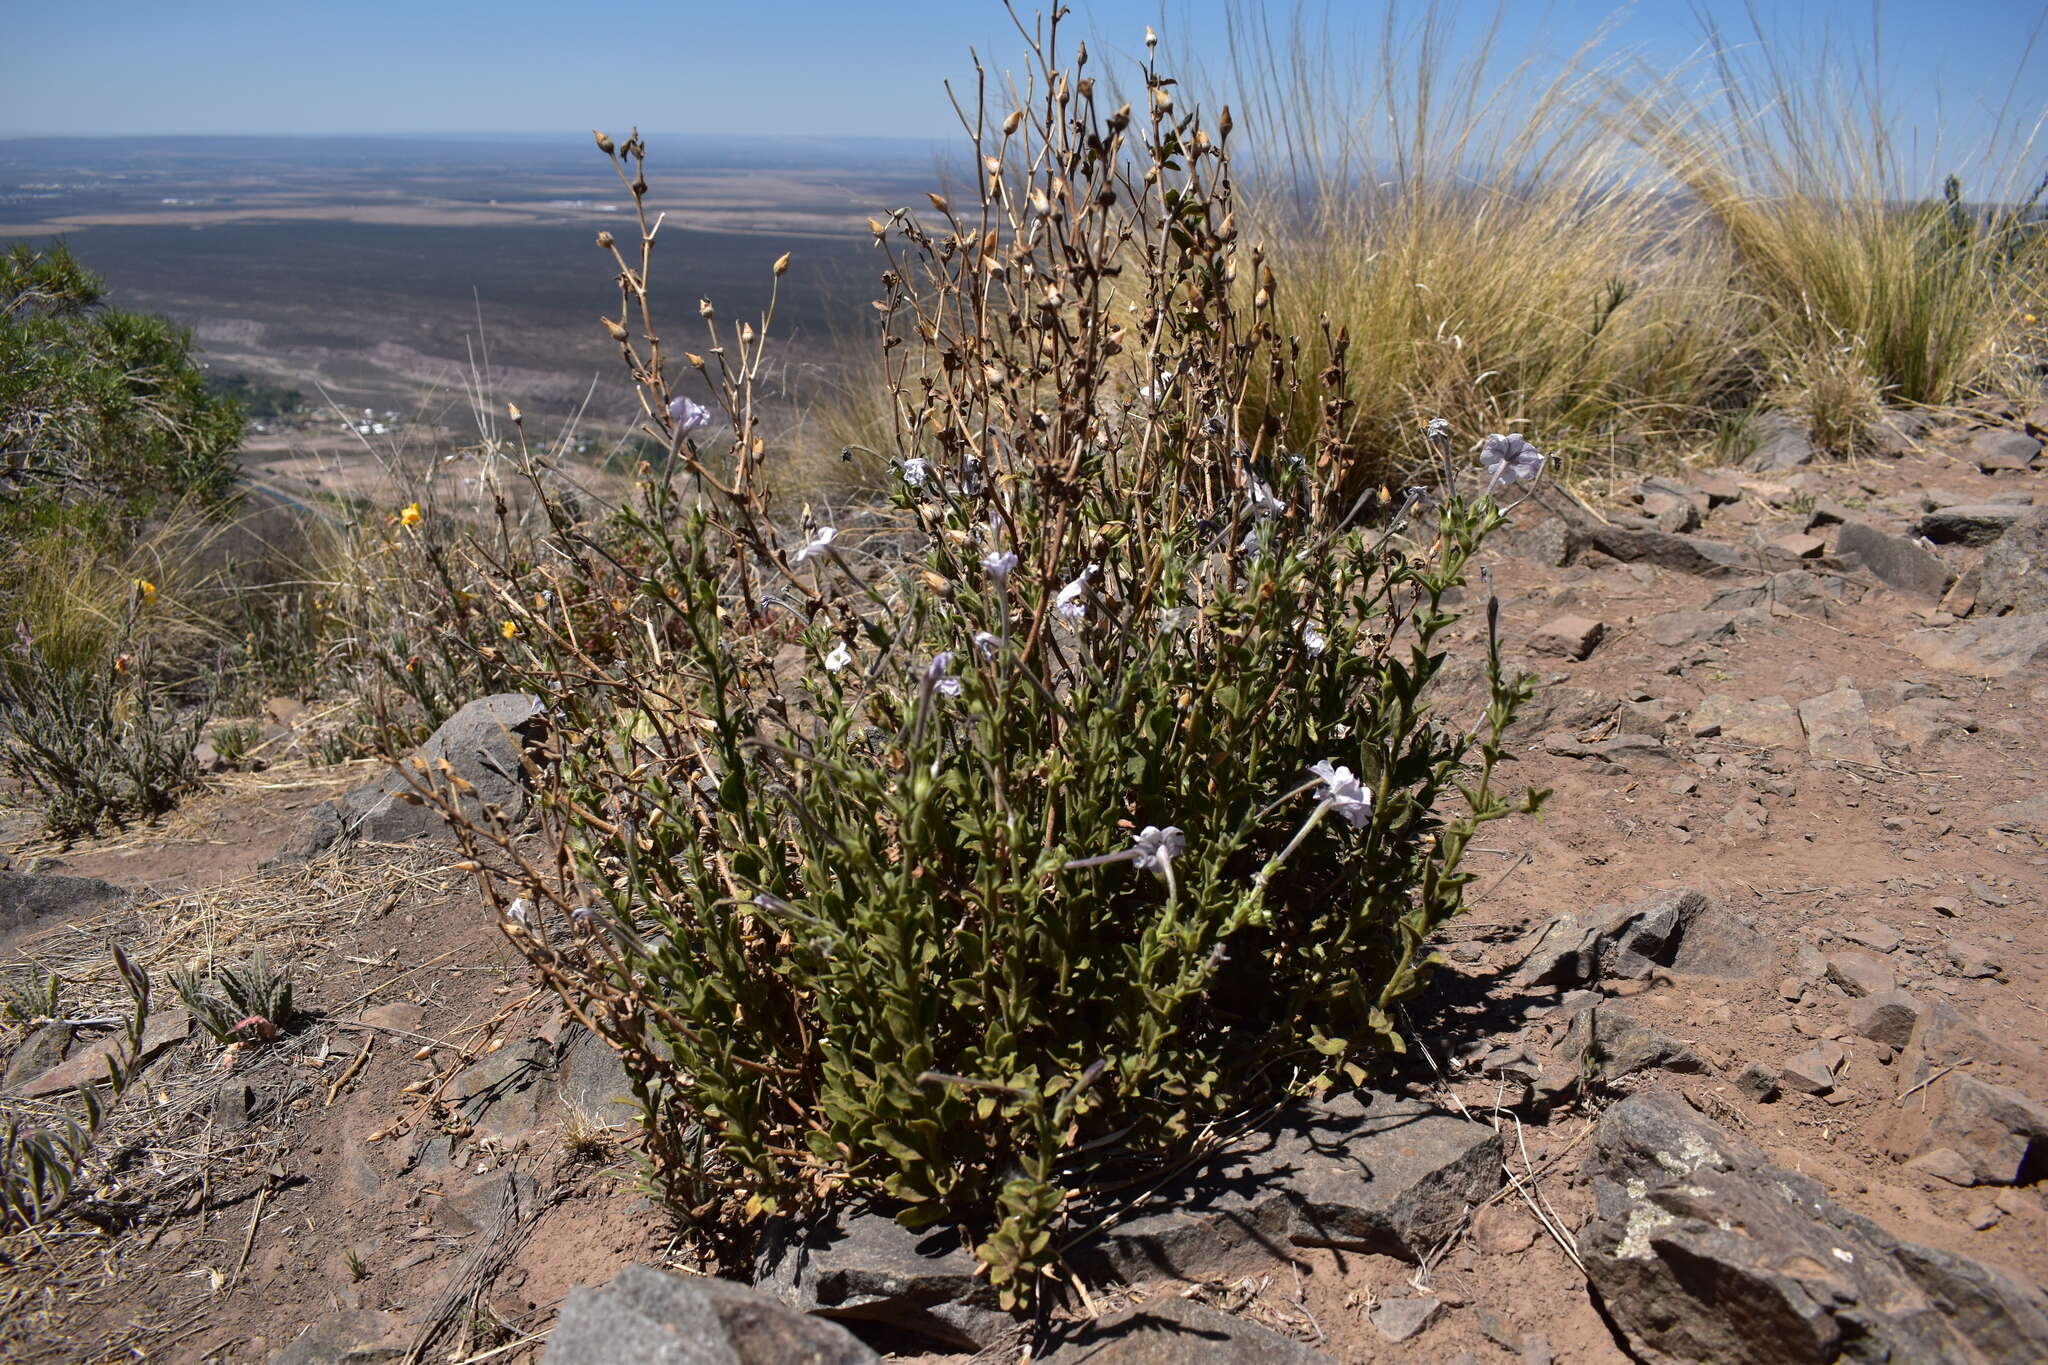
point(1736, 1056)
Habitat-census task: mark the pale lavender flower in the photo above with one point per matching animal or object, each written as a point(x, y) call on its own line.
point(1156, 848)
point(1509, 460)
point(1174, 618)
point(583, 917)
point(688, 415)
point(916, 471)
point(520, 913)
point(1313, 640)
point(1072, 602)
point(987, 643)
point(999, 563)
point(1343, 792)
point(839, 658)
point(815, 546)
point(937, 675)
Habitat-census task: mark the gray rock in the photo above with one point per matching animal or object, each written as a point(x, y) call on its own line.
point(1759, 1082)
point(30, 901)
point(861, 1265)
point(1970, 523)
point(649, 1317)
point(1672, 512)
point(1782, 443)
point(1894, 561)
point(2000, 448)
point(2001, 1134)
point(1606, 1043)
point(1567, 637)
point(1676, 629)
point(1794, 592)
point(1767, 722)
point(1897, 433)
point(1646, 543)
point(1559, 707)
point(1875, 935)
point(1682, 931)
point(1701, 1249)
point(1838, 726)
point(2029, 812)
point(1887, 1017)
point(359, 1338)
point(1626, 750)
point(1995, 648)
point(505, 1094)
point(36, 1054)
point(1405, 1319)
point(1860, 974)
point(1362, 1172)
point(2016, 569)
point(484, 745)
point(1946, 1036)
point(592, 1082)
point(1813, 1071)
point(1174, 1331)
point(1551, 541)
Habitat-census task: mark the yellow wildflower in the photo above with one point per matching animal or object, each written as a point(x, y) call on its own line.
point(509, 629)
point(410, 516)
point(147, 589)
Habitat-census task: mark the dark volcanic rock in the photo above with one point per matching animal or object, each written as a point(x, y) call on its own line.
point(1174, 1331)
point(649, 1317)
point(1703, 1250)
point(1969, 523)
point(2001, 1135)
point(2016, 568)
point(483, 744)
point(1682, 931)
point(1686, 554)
point(1782, 443)
point(863, 1266)
point(36, 900)
point(1995, 648)
point(1894, 561)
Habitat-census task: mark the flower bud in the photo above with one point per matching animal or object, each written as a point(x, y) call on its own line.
point(604, 144)
point(604, 240)
point(781, 264)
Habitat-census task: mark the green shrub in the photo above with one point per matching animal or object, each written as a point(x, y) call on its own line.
point(1121, 803)
point(95, 742)
point(98, 405)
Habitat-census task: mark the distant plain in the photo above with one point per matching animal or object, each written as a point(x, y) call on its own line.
point(377, 271)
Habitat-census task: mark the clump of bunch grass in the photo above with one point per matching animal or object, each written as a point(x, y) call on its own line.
point(1874, 279)
point(1119, 805)
point(1488, 243)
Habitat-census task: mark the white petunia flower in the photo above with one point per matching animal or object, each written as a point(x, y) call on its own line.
point(688, 416)
point(1264, 503)
point(1072, 602)
point(1509, 460)
point(999, 563)
point(937, 674)
point(916, 471)
point(839, 658)
point(1313, 640)
point(1156, 848)
point(815, 545)
point(987, 643)
point(1343, 793)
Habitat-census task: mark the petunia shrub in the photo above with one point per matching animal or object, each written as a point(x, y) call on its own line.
point(977, 869)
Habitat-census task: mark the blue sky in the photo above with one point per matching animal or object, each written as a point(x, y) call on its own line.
point(796, 66)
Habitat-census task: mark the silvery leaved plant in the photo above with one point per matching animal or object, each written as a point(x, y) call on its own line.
point(972, 879)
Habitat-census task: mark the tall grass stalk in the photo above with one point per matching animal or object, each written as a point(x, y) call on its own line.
point(1878, 272)
point(1486, 239)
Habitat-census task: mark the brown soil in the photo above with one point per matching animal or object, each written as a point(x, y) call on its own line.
point(354, 1206)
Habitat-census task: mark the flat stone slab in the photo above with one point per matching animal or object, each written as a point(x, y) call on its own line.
point(1977, 523)
point(1682, 931)
point(30, 901)
point(1360, 1171)
point(1767, 722)
point(1995, 648)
